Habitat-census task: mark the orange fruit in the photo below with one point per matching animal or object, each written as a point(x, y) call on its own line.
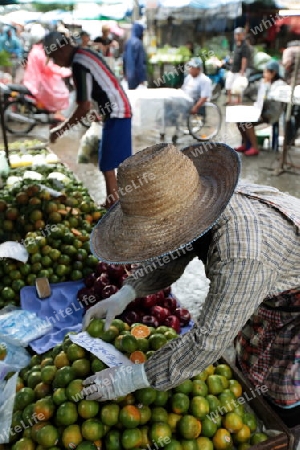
point(201, 376)
point(159, 414)
point(227, 402)
point(209, 427)
point(92, 430)
point(225, 370)
point(82, 367)
point(20, 384)
point(162, 398)
point(88, 408)
point(130, 416)
point(48, 374)
point(173, 445)
point(240, 410)
point(145, 396)
point(113, 440)
point(214, 383)
point(185, 387)
point(75, 352)
point(61, 360)
point(250, 420)
point(224, 381)
point(145, 412)
point(140, 331)
point(190, 444)
point(47, 436)
point(45, 407)
point(173, 420)
point(214, 403)
point(236, 388)
point(71, 437)
point(109, 414)
point(257, 438)
point(73, 390)
point(63, 377)
point(36, 427)
point(222, 440)
point(242, 436)
point(59, 396)
point(199, 388)
point(25, 443)
point(244, 446)
point(96, 327)
point(180, 403)
point(131, 439)
point(160, 431)
point(129, 343)
point(41, 390)
point(232, 422)
point(66, 414)
point(138, 357)
point(199, 407)
point(203, 443)
point(189, 427)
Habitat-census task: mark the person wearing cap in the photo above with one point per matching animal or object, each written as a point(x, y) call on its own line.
point(271, 110)
point(248, 237)
point(94, 81)
point(197, 85)
point(240, 62)
point(134, 58)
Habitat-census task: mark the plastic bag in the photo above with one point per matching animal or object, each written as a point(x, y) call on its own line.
point(7, 398)
point(89, 143)
point(19, 327)
point(16, 358)
point(239, 85)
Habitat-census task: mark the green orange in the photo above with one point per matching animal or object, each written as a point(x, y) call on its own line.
point(130, 416)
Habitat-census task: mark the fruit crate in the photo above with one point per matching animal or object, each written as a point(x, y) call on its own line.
point(283, 441)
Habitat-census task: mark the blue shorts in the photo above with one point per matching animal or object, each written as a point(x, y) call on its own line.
point(115, 145)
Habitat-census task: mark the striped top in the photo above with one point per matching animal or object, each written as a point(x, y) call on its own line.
point(254, 254)
point(94, 80)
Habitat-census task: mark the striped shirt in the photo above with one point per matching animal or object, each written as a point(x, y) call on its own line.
point(254, 254)
point(95, 81)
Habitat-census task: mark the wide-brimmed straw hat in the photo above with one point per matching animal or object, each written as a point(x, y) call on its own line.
point(167, 199)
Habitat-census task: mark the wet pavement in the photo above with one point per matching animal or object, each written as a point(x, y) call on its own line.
point(259, 169)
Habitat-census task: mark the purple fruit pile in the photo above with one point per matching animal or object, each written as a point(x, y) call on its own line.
point(153, 310)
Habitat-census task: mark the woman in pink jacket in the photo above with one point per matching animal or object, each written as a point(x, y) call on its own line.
point(44, 79)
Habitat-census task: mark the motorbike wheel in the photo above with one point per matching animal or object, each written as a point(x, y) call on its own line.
point(216, 92)
point(207, 124)
point(19, 117)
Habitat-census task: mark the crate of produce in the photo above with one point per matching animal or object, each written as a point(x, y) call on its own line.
point(271, 421)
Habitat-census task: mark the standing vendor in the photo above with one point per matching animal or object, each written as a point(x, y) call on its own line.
point(95, 81)
point(248, 237)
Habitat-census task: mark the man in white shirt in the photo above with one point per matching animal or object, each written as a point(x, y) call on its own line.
point(197, 85)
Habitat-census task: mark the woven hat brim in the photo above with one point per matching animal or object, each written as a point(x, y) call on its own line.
point(115, 241)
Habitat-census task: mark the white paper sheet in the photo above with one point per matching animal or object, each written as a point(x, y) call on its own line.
point(241, 113)
point(104, 351)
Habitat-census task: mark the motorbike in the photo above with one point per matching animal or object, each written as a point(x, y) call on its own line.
point(216, 71)
point(254, 79)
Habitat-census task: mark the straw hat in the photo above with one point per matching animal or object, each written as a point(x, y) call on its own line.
point(168, 199)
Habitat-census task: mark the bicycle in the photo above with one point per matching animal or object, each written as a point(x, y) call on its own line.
point(22, 112)
point(203, 126)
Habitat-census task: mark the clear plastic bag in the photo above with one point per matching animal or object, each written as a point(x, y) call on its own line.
point(89, 143)
point(7, 398)
point(16, 358)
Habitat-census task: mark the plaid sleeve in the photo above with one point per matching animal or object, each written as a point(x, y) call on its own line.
point(237, 287)
point(83, 83)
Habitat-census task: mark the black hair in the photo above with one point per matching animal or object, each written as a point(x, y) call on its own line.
point(84, 33)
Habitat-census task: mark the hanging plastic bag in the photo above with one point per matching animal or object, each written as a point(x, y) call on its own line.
point(239, 85)
point(15, 357)
point(89, 143)
point(7, 398)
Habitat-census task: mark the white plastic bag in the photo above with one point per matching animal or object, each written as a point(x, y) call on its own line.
point(124, 84)
point(89, 143)
point(239, 85)
point(16, 359)
point(7, 398)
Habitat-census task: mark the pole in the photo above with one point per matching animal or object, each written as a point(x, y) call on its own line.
point(3, 128)
point(136, 11)
point(288, 114)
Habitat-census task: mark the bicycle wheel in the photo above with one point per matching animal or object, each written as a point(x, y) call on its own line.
point(19, 117)
point(206, 124)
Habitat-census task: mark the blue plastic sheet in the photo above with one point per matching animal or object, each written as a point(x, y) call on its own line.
point(62, 310)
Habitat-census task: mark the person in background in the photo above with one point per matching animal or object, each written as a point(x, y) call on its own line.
point(11, 45)
point(289, 60)
point(190, 46)
point(94, 81)
point(239, 63)
point(44, 79)
point(250, 65)
point(270, 111)
point(197, 85)
point(134, 58)
point(248, 238)
point(105, 41)
point(85, 39)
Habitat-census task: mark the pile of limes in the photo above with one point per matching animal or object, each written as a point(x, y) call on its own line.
point(54, 229)
point(202, 413)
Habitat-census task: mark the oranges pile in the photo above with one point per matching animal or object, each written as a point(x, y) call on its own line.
point(54, 230)
point(199, 414)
